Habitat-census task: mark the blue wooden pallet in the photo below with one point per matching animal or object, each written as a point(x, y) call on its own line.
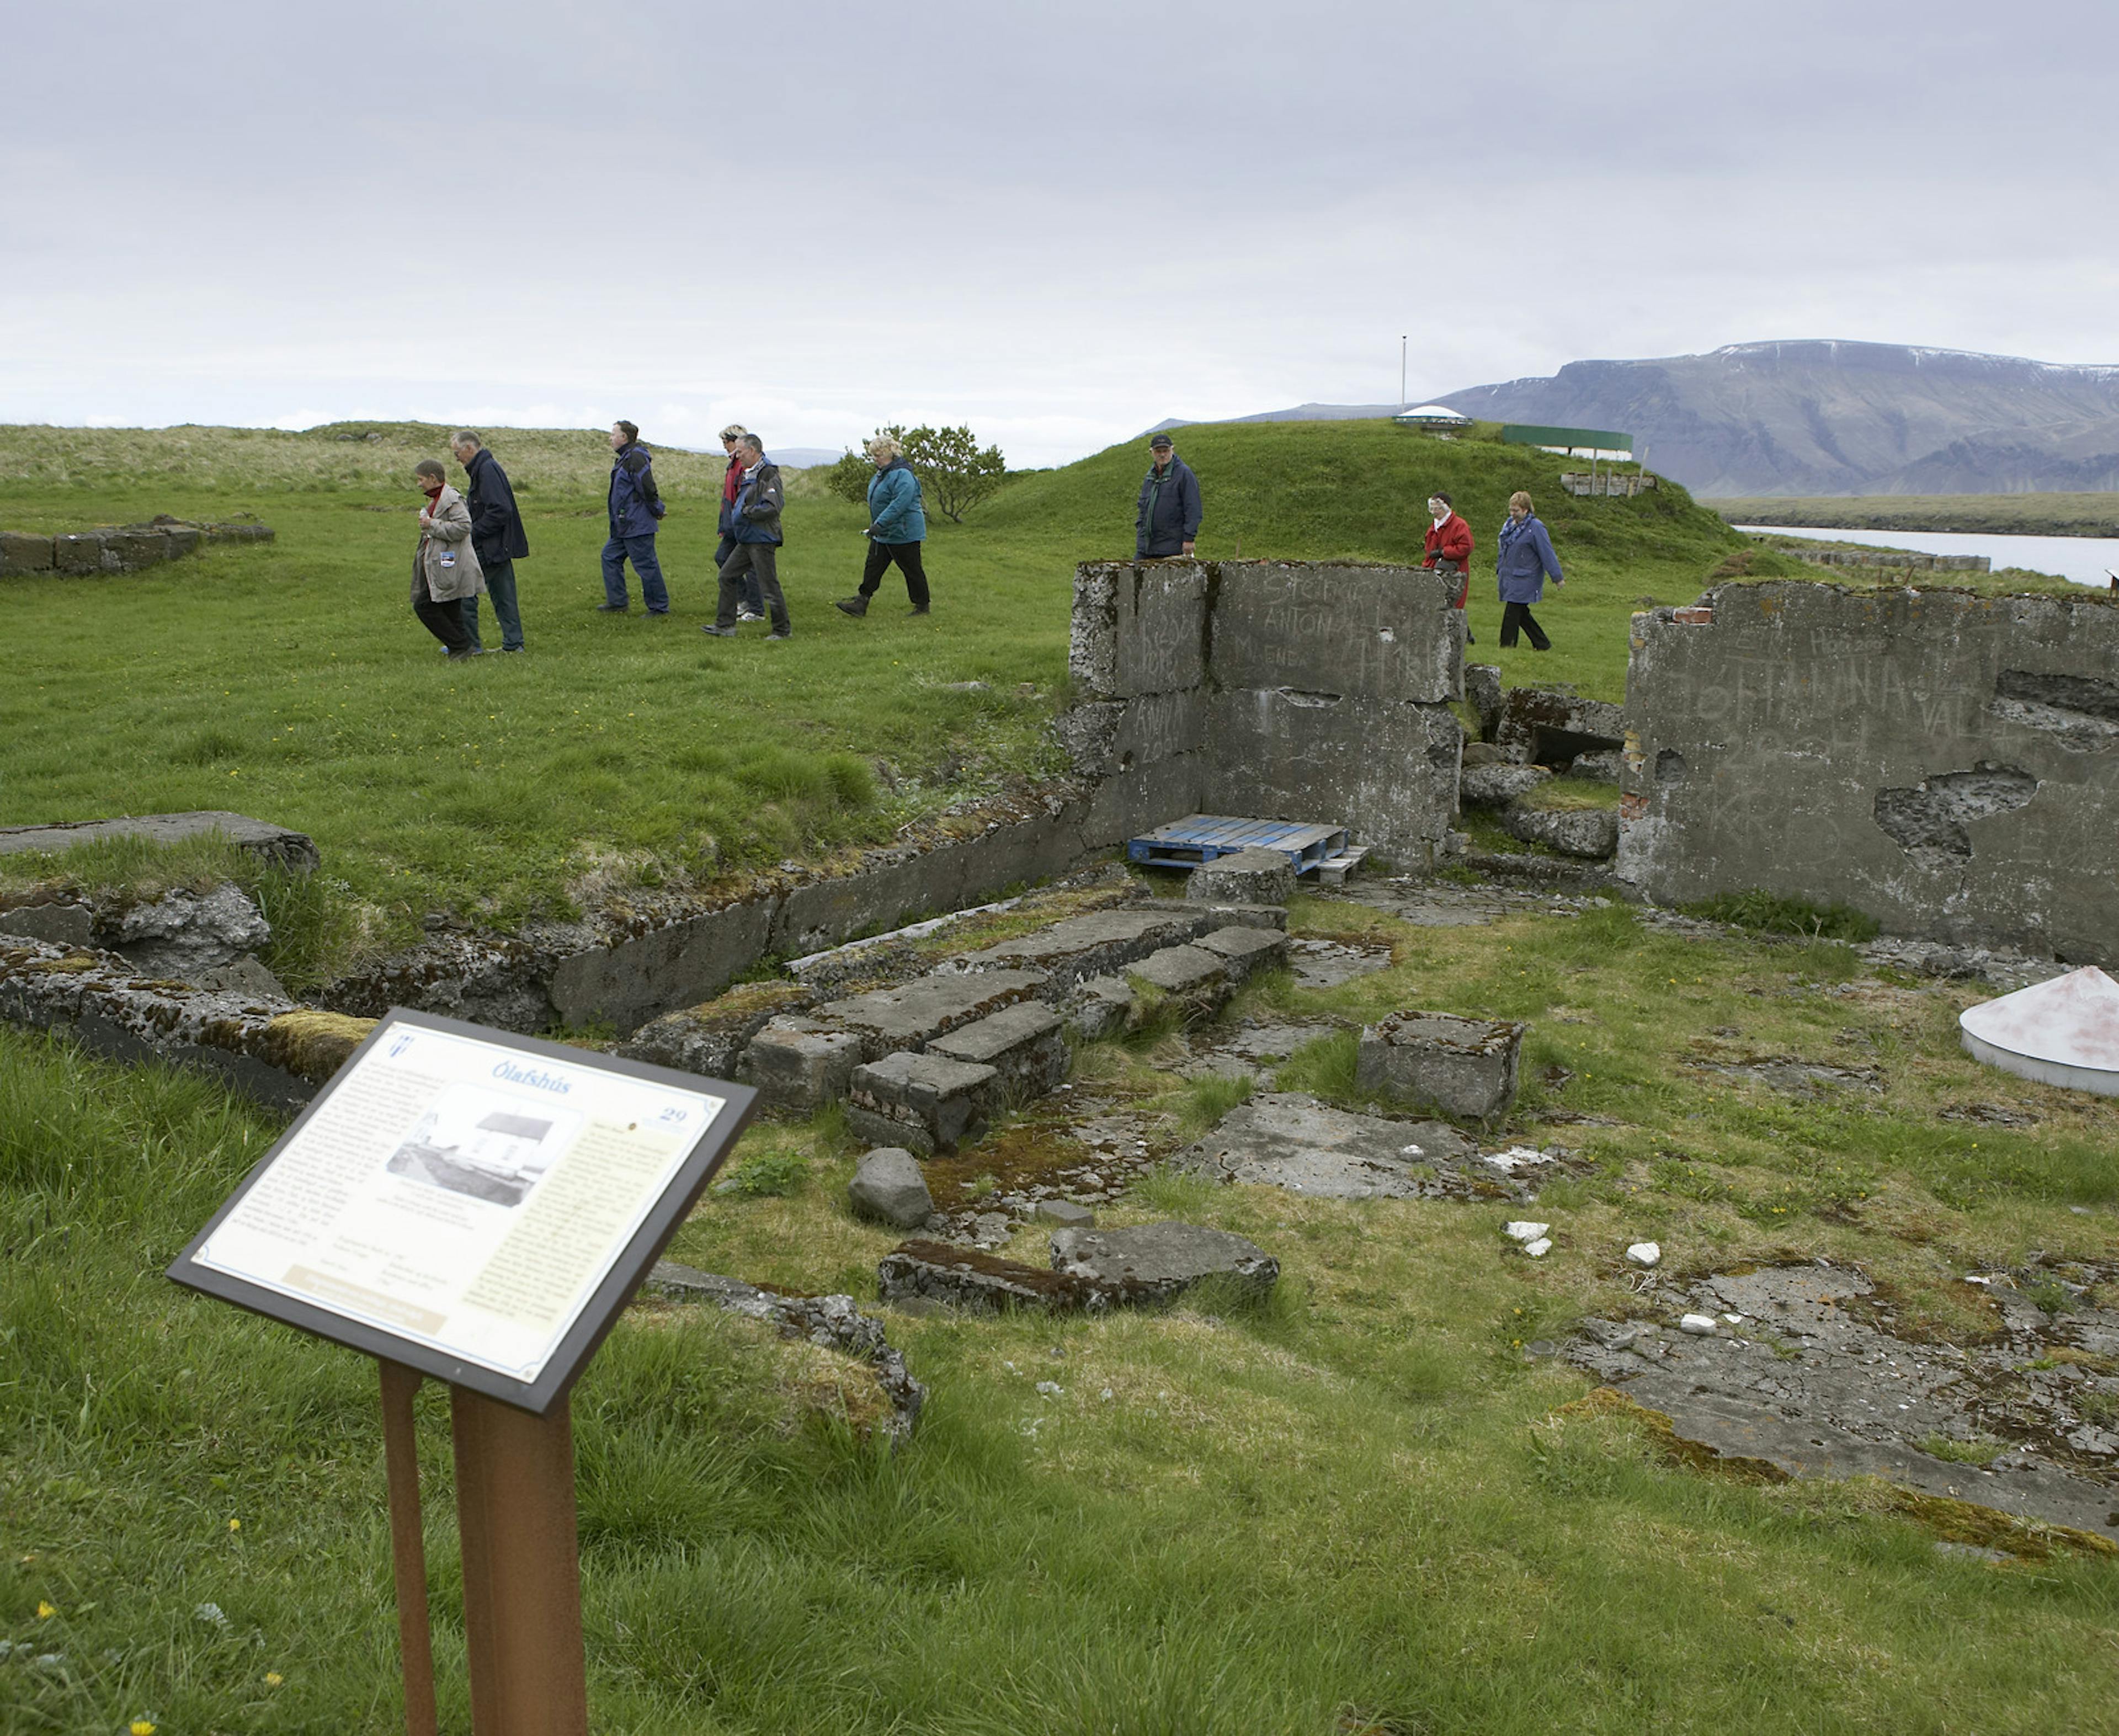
point(1200, 838)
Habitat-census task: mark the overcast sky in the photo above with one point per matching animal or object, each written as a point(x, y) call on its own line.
point(1058, 223)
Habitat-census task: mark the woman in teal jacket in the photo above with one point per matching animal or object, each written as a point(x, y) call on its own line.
point(897, 525)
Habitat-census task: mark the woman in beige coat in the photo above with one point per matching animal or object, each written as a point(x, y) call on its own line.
point(445, 570)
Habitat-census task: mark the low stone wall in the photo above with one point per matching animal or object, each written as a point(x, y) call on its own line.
point(1900, 560)
point(1946, 762)
point(123, 548)
point(1603, 482)
point(1281, 690)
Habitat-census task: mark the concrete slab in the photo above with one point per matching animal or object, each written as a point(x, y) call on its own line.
point(1289, 1140)
point(1245, 951)
point(1242, 877)
point(291, 850)
point(801, 1064)
point(1152, 1264)
point(1095, 945)
point(1023, 1043)
point(1187, 973)
point(710, 1039)
point(1358, 631)
point(1464, 1067)
point(912, 1015)
point(1138, 628)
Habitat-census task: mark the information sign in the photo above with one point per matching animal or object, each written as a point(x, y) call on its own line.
point(470, 1203)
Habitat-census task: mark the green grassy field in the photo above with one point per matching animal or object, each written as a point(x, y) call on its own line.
point(2019, 515)
point(1357, 1507)
point(291, 682)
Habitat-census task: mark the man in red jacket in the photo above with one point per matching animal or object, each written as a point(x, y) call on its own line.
point(1449, 550)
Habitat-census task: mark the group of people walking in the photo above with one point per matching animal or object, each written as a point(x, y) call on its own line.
point(469, 542)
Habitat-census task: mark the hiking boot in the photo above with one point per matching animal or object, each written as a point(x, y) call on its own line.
point(778, 633)
point(719, 633)
point(853, 605)
point(614, 608)
point(917, 609)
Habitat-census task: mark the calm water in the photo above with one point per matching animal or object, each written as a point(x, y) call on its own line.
point(2088, 560)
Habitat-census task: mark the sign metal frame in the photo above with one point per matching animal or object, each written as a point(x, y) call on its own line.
point(592, 1321)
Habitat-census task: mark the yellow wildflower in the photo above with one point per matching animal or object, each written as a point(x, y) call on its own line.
point(235, 1524)
point(142, 1726)
point(273, 1678)
point(45, 1612)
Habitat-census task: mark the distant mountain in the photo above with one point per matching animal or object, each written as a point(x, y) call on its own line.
point(1302, 413)
point(1817, 417)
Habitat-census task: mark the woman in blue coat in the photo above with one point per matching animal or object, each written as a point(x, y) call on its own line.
point(897, 525)
point(1525, 562)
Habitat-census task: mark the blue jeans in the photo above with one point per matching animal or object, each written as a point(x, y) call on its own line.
point(500, 587)
point(641, 551)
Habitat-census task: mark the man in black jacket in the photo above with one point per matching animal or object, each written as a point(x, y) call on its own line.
point(496, 535)
point(1168, 519)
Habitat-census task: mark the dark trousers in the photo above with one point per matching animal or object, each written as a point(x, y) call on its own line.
point(906, 554)
point(444, 621)
point(753, 599)
point(1517, 615)
point(641, 551)
point(760, 560)
point(500, 587)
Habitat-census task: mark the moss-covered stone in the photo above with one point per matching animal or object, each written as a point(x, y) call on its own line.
point(311, 1044)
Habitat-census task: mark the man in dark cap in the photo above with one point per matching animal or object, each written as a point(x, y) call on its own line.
point(1168, 520)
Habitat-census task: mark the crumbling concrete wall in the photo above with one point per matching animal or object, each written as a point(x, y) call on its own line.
point(1946, 762)
point(1286, 690)
point(121, 548)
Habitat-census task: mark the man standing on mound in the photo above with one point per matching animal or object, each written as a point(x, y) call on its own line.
point(636, 508)
point(897, 525)
point(1169, 516)
point(496, 534)
point(754, 523)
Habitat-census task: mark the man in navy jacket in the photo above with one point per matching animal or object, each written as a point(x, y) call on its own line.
point(496, 534)
point(1168, 519)
point(636, 508)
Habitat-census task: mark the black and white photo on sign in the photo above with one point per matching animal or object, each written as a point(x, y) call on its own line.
point(486, 1144)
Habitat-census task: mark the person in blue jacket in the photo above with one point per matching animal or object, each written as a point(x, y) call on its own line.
point(1168, 518)
point(1525, 561)
point(636, 508)
point(753, 521)
point(897, 525)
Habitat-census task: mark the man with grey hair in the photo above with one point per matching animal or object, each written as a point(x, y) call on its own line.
point(753, 600)
point(754, 522)
point(497, 537)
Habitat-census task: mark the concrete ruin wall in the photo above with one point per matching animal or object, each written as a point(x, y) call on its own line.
point(116, 548)
point(1275, 689)
point(1947, 762)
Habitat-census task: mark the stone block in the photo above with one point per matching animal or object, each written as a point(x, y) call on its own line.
point(184, 932)
point(1242, 877)
point(1106, 737)
point(1216, 914)
point(1482, 688)
point(1156, 1263)
point(1497, 785)
point(1481, 753)
point(77, 553)
point(1550, 726)
point(801, 1064)
point(137, 548)
point(1290, 1140)
point(183, 539)
point(1024, 1044)
point(710, 1039)
point(1138, 628)
point(1385, 769)
point(1464, 1067)
point(21, 553)
point(889, 1186)
point(1602, 767)
point(1065, 1214)
point(1093, 944)
point(1188, 974)
point(1590, 833)
point(293, 851)
point(965, 1278)
point(1356, 632)
point(1126, 804)
point(1245, 951)
point(913, 1014)
point(63, 923)
point(1102, 1007)
point(928, 1102)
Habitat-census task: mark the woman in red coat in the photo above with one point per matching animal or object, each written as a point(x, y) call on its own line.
point(1449, 550)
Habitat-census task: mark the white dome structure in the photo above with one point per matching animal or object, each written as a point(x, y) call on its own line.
point(2061, 1033)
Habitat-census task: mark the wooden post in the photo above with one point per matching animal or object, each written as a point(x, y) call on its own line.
point(408, 1550)
point(522, 1567)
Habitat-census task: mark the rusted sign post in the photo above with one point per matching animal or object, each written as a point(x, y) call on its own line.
point(476, 1208)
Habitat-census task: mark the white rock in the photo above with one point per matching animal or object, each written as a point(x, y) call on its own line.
point(1734, 1320)
point(1699, 1325)
point(1521, 1230)
point(1643, 1253)
point(1538, 1249)
point(1051, 1389)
